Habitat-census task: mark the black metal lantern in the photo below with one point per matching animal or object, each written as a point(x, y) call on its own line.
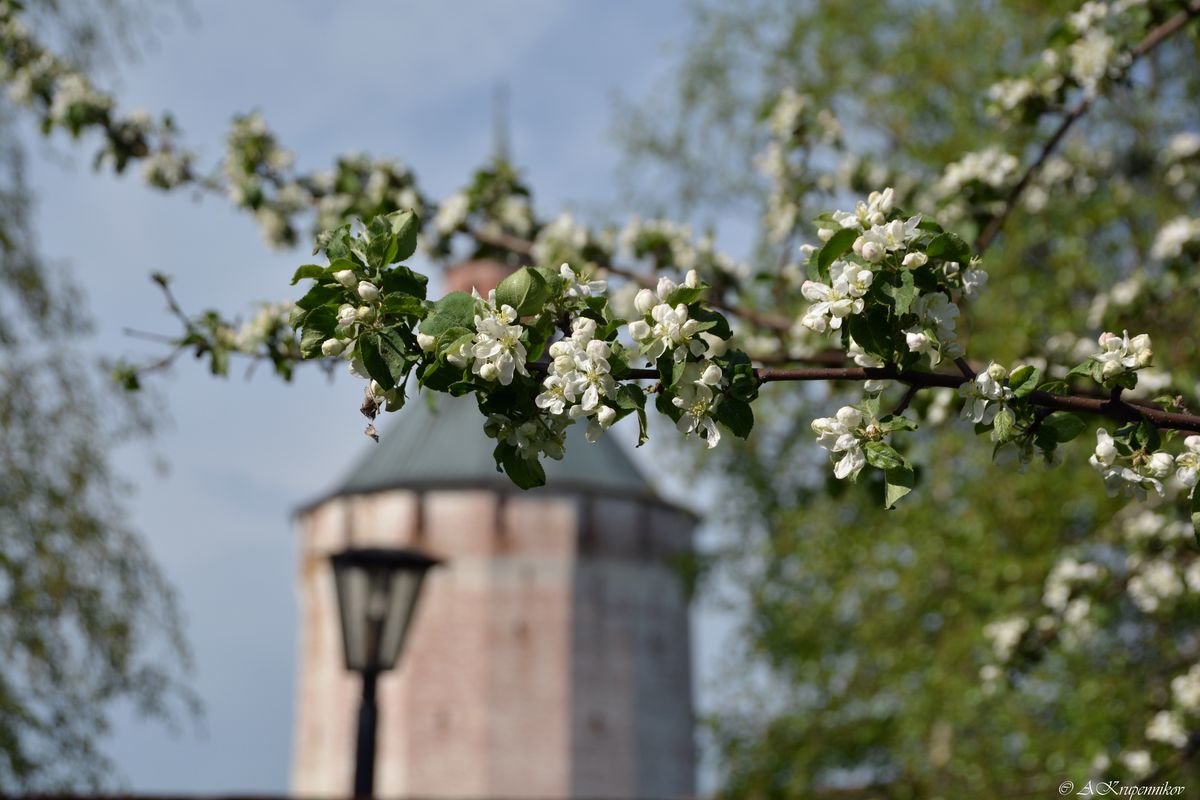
point(377, 593)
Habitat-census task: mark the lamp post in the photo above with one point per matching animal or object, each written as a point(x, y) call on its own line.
point(377, 593)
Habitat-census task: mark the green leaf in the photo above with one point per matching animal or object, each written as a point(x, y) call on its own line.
point(526, 473)
point(743, 385)
point(403, 280)
point(1064, 425)
point(318, 326)
point(835, 248)
point(904, 294)
point(897, 423)
point(899, 481)
point(737, 416)
point(308, 271)
point(455, 310)
point(403, 305)
point(1024, 380)
point(949, 247)
point(882, 455)
point(525, 290)
point(1083, 370)
point(373, 360)
point(1002, 425)
point(405, 226)
point(714, 320)
point(318, 296)
point(685, 294)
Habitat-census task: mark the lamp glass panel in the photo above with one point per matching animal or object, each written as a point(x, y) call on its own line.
point(405, 585)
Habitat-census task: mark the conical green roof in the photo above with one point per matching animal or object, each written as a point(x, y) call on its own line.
point(442, 444)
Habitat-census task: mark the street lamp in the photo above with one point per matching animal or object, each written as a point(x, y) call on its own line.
point(377, 593)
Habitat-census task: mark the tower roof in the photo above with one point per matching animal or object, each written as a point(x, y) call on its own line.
point(438, 441)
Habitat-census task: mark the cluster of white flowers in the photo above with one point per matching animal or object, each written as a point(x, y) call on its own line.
point(834, 301)
point(697, 399)
point(936, 334)
point(985, 395)
point(665, 328)
point(795, 130)
point(1065, 575)
point(1152, 581)
point(268, 326)
point(991, 167)
point(1167, 727)
point(579, 379)
point(575, 288)
point(1181, 159)
point(561, 239)
point(1135, 474)
point(1120, 354)
point(866, 214)
point(1185, 689)
point(844, 436)
point(452, 213)
point(1173, 237)
point(1187, 463)
point(1005, 635)
point(1145, 527)
point(497, 351)
point(973, 279)
point(880, 240)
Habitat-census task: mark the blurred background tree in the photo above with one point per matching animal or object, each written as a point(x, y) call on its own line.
point(1005, 629)
point(86, 618)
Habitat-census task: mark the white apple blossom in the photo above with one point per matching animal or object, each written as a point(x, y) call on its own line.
point(1155, 580)
point(497, 351)
point(838, 299)
point(1174, 236)
point(1120, 354)
point(573, 287)
point(985, 395)
point(333, 347)
point(1185, 689)
point(1188, 463)
point(1005, 635)
point(1141, 473)
point(696, 399)
point(843, 435)
point(346, 278)
point(890, 237)
point(669, 329)
point(451, 213)
point(1138, 762)
point(368, 291)
point(1167, 728)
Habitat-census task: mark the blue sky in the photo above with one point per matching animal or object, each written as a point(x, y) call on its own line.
point(412, 80)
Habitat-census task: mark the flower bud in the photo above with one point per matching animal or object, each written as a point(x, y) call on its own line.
point(711, 375)
point(346, 278)
point(489, 371)
point(368, 291)
point(332, 347)
point(426, 342)
point(646, 299)
point(606, 416)
point(639, 330)
point(692, 279)
point(364, 313)
point(1161, 465)
point(916, 259)
point(997, 372)
point(346, 316)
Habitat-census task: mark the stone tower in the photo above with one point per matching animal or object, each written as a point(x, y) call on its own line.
point(549, 657)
